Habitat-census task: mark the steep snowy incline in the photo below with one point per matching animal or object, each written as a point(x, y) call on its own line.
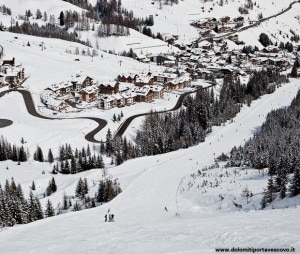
point(149, 185)
point(176, 19)
point(53, 7)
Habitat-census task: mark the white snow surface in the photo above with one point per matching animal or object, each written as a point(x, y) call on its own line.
point(149, 185)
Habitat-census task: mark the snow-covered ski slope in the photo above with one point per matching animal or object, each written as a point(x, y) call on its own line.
point(176, 19)
point(53, 7)
point(149, 185)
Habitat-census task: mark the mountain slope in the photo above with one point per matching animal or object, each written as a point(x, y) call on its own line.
point(150, 184)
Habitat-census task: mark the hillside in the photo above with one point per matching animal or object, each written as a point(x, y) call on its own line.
point(142, 219)
point(96, 75)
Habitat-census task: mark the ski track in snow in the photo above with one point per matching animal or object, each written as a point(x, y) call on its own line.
point(149, 184)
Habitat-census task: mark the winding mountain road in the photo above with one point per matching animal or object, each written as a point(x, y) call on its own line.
point(32, 111)
point(124, 125)
point(101, 122)
point(252, 25)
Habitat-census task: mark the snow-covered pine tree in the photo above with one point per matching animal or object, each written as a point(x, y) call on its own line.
point(49, 212)
point(50, 156)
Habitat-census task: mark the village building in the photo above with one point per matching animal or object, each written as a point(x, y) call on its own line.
point(164, 77)
point(80, 81)
point(89, 94)
point(127, 78)
point(158, 91)
point(49, 100)
point(144, 79)
point(61, 89)
point(9, 62)
point(109, 88)
point(106, 102)
point(143, 94)
point(129, 98)
point(271, 49)
point(178, 83)
point(119, 100)
point(2, 79)
point(225, 19)
point(14, 76)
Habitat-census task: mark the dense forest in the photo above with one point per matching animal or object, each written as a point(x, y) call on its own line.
point(11, 152)
point(15, 209)
point(280, 155)
point(114, 20)
point(72, 162)
point(167, 132)
point(48, 30)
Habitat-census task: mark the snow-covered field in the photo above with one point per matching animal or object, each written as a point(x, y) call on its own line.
point(149, 185)
point(162, 209)
point(53, 65)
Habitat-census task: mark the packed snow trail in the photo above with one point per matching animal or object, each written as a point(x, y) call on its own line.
point(149, 185)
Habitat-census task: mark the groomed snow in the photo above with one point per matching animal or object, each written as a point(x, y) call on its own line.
point(149, 185)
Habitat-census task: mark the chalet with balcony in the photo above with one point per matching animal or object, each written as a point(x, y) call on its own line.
point(158, 91)
point(127, 78)
point(144, 79)
point(61, 89)
point(9, 62)
point(80, 81)
point(89, 94)
point(48, 99)
point(164, 77)
point(129, 97)
point(14, 76)
point(109, 88)
point(106, 102)
point(143, 94)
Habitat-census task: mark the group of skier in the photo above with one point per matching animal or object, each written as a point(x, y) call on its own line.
point(110, 217)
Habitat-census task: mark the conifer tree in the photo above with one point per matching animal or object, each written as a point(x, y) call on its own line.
point(61, 19)
point(50, 156)
point(33, 186)
point(65, 202)
point(38, 155)
point(295, 185)
point(80, 189)
point(49, 212)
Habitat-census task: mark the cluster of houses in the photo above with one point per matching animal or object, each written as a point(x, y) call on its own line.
point(125, 90)
point(10, 74)
point(211, 59)
point(208, 26)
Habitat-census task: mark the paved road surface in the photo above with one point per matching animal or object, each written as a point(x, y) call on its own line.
point(122, 128)
point(32, 111)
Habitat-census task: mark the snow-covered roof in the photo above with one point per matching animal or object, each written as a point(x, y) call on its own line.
point(107, 98)
point(156, 88)
point(90, 89)
point(79, 78)
point(117, 96)
point(124, 86)
point(54, 103)
point(110, 83)
point(58, 86)
point(127, 94)
point(166, 75)
point(141, 90)
point(144, 79)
